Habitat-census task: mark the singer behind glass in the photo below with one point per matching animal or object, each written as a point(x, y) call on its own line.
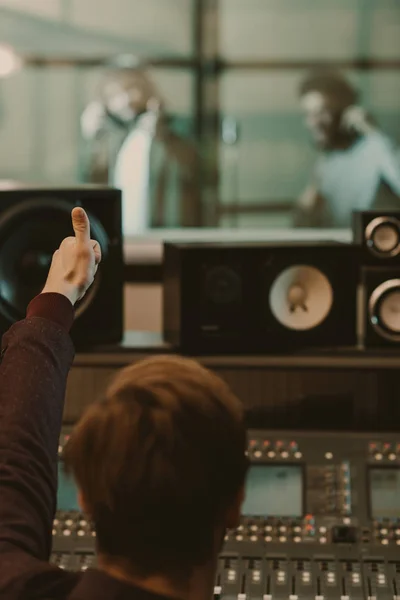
point(358, 166)
point(129, 143)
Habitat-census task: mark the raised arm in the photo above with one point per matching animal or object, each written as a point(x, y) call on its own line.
point(35, 359)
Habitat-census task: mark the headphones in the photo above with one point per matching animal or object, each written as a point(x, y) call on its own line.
point(356, 120)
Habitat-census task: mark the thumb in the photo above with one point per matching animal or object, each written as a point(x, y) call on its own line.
point(81, 225)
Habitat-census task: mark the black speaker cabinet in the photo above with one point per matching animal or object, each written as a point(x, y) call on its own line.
point(381, 288)
point(33, 222)
point(378, 235)
point(259, 298)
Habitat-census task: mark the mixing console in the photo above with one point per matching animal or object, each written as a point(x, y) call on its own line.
point(321, 520)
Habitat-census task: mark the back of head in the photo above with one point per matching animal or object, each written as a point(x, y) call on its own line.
point(159, 461)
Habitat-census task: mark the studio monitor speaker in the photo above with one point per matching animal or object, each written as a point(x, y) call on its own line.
point(252, 298)
point(377, 233)
point(33, 222)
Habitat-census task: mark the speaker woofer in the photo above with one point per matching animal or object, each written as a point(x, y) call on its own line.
point(384, 310)
point(30, 232)
point(33, 223)
point(301, 297)
point(382, 237)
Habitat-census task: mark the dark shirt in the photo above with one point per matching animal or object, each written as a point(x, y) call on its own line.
point(36, 356)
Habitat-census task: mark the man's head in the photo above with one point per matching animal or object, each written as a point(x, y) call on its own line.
point(128, 92)
point(324, 99)
point(160, 463)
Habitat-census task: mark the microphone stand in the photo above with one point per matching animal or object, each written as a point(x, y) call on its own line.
point(230, 137)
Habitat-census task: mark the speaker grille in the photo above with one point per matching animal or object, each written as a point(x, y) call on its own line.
point(223, 285)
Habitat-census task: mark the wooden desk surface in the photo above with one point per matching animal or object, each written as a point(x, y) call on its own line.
point(138, 344)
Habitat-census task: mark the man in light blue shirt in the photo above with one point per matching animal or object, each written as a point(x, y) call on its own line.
point(357, 168)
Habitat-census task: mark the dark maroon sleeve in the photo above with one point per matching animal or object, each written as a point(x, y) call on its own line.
point(55, 307)
point(36, 356)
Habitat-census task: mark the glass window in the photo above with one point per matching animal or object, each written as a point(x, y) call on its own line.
point(288, 30)
point(207, 113)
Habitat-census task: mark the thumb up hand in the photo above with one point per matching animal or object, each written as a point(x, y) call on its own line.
point(75, 263)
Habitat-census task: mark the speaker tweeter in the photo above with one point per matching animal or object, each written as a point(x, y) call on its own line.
point(378, 235)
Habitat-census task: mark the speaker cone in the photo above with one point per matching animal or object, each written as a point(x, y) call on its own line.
point(223, 285)
point(30, 232)
point(301, 297)
point(384, 310)
point(383, 236)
